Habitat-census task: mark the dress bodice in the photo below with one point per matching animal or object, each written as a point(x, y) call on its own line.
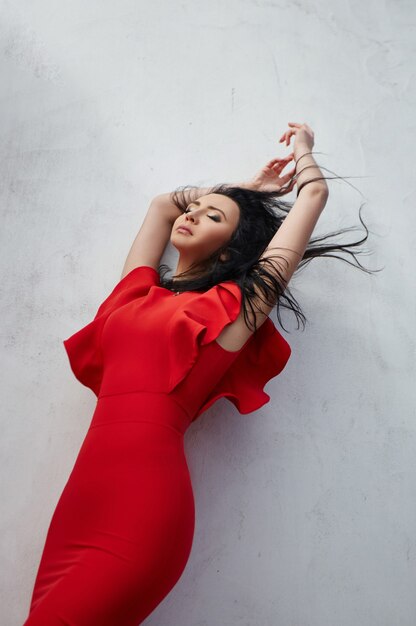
point(145, 338)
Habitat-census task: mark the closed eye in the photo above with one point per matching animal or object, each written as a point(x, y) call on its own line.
point(213, 217)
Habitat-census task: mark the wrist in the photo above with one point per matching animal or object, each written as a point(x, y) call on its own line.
point(300, 150)
point(308, 172)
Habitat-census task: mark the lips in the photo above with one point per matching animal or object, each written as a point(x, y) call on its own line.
point(185, 228)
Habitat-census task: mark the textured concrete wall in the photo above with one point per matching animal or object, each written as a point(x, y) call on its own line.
point(306, 508)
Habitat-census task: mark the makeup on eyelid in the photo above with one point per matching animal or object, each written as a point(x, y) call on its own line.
point(213, 217)
point(197, 203)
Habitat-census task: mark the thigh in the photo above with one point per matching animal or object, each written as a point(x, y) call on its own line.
point(121, 533)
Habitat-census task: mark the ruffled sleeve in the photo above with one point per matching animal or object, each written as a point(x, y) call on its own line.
point(262, 358)
point(83, 347)
point(199, 322)
point(196, 323)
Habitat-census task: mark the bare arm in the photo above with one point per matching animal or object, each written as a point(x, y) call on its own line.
point(151, 240)
point(292, 238)
point(172, 212)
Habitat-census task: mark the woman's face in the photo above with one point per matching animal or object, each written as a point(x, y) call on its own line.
point(211, 220)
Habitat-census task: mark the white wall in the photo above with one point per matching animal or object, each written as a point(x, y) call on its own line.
point(306, 509)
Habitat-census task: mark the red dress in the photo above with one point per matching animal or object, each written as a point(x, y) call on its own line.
point(122, 530)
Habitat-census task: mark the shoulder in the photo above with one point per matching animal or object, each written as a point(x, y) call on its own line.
point(237, 332)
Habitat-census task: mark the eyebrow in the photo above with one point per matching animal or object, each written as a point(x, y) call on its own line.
point(197, 202)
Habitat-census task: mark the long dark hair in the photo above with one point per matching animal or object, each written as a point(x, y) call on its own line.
point(261, 215)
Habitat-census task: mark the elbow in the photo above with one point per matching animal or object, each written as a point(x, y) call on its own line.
point(325, 191)
point(315, 189)
point(320, 194)
point(316, 195)
point(320, 189)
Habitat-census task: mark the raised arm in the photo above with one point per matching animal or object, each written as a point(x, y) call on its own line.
point(153, 236)
point(293, 236)
point(151, 240)
point(290, 241)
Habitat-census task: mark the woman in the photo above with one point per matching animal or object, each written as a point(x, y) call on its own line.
point(157, 354)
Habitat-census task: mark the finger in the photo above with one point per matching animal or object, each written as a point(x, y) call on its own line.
point(288, 179)
point(282, 165)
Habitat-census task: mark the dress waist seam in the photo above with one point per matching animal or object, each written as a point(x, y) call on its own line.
point(143, 391)
point(141, 421)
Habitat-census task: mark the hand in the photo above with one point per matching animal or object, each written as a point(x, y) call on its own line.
point(303, 135)
point(269, 179)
